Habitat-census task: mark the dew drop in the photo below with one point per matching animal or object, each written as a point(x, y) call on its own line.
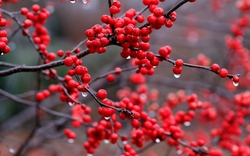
point(187, 123)
point(1, 53)
point(157, 140)
point(84, 1)
point(72, 1)
point(106, 141)
point(11, 150)
point(235, 83)
point(107, 117)
point(128, 58)
point(71, 104)
point(125, 142)
point(177, 75)
point(71, 141)
point(84, 94)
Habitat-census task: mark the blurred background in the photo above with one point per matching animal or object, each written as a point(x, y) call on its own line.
point(197, 35)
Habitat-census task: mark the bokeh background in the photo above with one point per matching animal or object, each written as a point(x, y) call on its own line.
point(199, 32)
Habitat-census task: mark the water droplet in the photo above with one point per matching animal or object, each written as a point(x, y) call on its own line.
point(106, 141)
point(177, 75)
point(107, 117)
point(125, 142)
point(179, 152)
point(154, 66)
point(128, 58)
point(114, 0)
point(71, 141)
point(187, 123)
point(84, 94)
point(89, 154)
point(71, 104)
point(84, 1)
point(235, 83)
point(157, 140)
point(72, 1)
point(1, 53)
point(11, 150)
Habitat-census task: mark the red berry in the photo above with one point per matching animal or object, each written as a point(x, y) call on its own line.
point(223, 73)
point(2, 45)
point(51, 56)
point(110, 77)
point(236, 79)
point(177, 70)
point(60, 53)
point(215, 67)
point(6, 49)
point(24, 11)
point(114, 9)
point(81, 70)
point(158, 11)
point(68, 61)
point(35, 7)
point(146, 2)
point(3, 33)
point(113, 138)
point(179, 62)
point(40, 96)
point(118, 71)
point(135, 123)
point(101, 94)
point(86, 78)
point(3, 22)
point(168, 23)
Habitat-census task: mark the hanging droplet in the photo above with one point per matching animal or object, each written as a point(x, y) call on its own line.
point(235, 83)
point(1, 53)
point(11, 150)
point(125, 142)
point(71, 104)
point(177, 75)
point(84, 1)
point(71, 141)
point(128, 58)
point(154, 66)
point(157, 140)
point(89, 154)
point(72, 1)
point(106, 141)
point(107, 117)
point(187, 123)
point(84, 94)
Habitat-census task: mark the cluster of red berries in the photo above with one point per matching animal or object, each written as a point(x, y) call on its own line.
point(40, 96)
point(70, 134)
point(100, 131)
point(178, 67)
point(97, 38)
point(37, 17)
point(4, 48)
